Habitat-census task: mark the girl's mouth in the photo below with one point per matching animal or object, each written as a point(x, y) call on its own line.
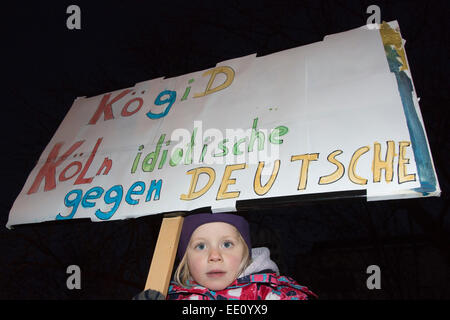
point(215, 273)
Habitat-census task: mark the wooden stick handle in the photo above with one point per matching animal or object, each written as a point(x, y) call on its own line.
point(164, 255)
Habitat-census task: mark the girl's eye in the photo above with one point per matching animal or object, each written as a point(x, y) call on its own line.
point(227, 244)
point(200, 246)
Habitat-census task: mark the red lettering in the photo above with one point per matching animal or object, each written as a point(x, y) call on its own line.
point(62, 175)
point(48, 170)
point(106, 166)
point(105, 107)
point(126, 113)
point(81, 179)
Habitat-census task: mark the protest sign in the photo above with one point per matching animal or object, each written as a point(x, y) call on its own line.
point(336, 117)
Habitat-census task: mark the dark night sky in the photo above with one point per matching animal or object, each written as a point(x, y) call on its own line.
point(326, 246)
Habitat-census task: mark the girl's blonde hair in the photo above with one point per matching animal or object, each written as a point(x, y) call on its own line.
point(182, 275)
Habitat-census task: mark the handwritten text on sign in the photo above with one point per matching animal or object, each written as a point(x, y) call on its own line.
point(250, 128)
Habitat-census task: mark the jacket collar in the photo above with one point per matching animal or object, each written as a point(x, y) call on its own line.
point(194, 288)
point(260, 262)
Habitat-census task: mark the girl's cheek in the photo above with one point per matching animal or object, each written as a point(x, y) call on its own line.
point(235, 260)
point(194, 261)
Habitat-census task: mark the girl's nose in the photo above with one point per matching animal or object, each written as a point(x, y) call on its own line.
point(214, 256)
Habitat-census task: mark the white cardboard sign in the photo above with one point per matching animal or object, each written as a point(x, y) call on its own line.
point(317, 119)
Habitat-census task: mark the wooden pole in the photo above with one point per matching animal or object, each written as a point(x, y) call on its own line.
point(164, 255)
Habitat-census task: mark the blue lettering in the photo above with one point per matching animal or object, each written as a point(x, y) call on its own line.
point(131, 191)
point(98, 191)
point(116, 199)
point(155, 186)
point(112, 196)
point(158, 101)
point(74, 203)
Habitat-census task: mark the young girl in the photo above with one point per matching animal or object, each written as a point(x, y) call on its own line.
point(218, 262)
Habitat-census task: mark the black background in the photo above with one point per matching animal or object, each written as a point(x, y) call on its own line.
point(326, 246)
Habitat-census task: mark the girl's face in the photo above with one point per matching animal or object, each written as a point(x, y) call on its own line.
point(214, 255)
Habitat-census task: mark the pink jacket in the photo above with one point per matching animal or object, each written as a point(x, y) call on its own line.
point(260, 281)
point(261, 286)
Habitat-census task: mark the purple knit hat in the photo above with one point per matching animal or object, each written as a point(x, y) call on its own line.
point(194, 221)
